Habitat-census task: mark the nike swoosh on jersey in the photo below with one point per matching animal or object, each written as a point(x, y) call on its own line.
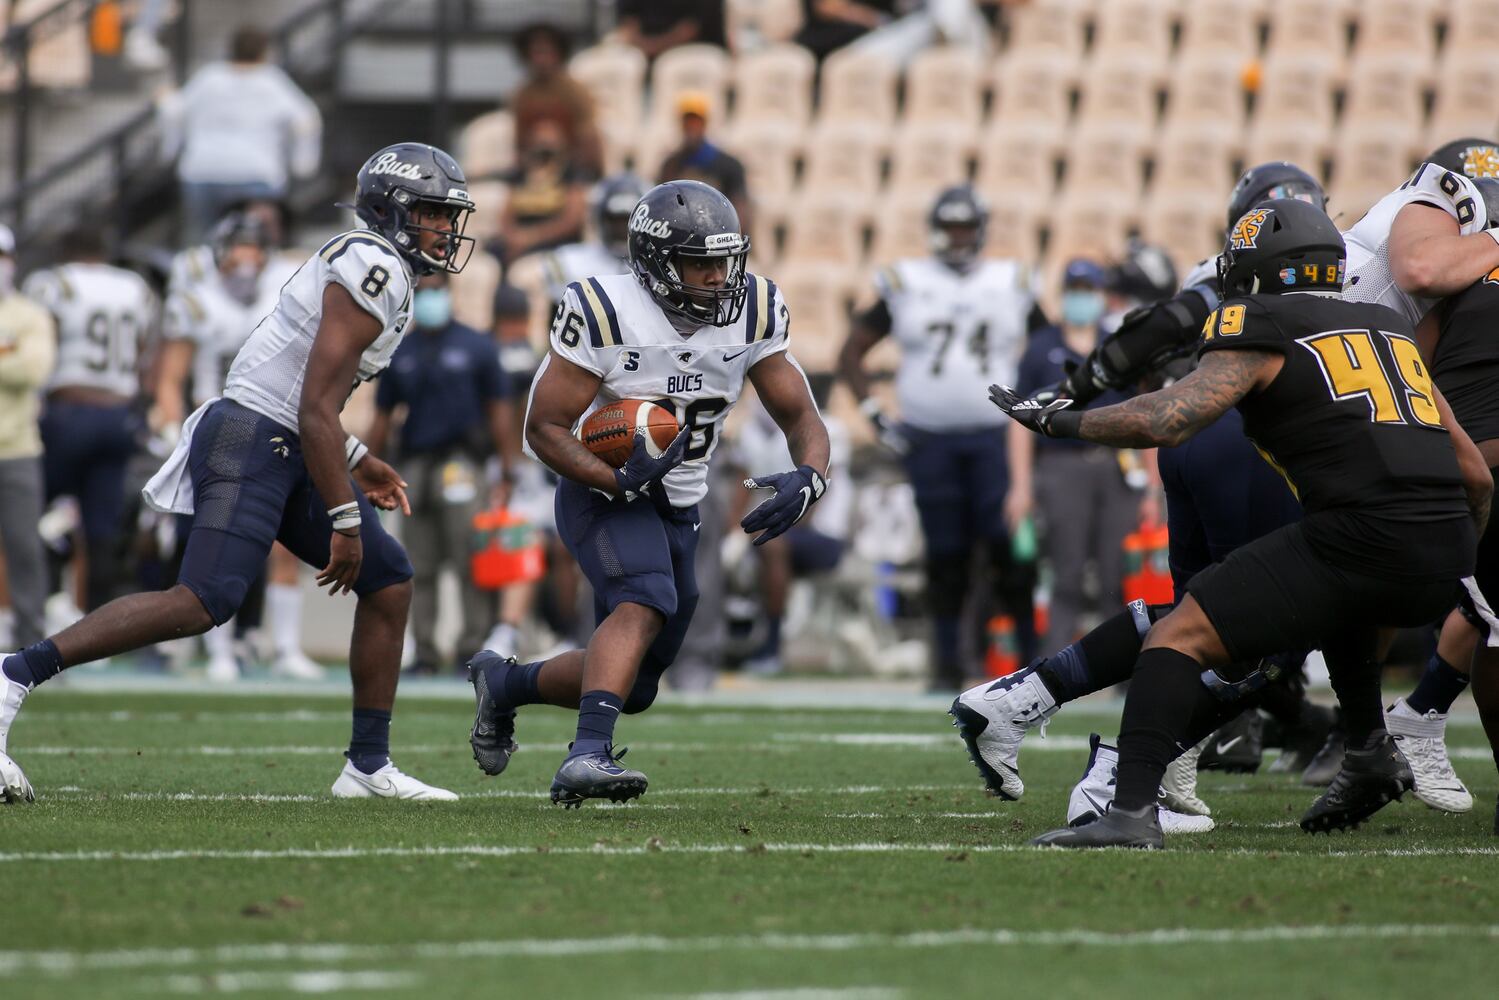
point(730, 357)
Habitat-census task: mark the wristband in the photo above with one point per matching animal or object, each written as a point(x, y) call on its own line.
point(1065, 424)
point(346, 517)
point(354, 450)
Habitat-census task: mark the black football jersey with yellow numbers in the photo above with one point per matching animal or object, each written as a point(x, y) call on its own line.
point(1465, 362)
point(1351, 419)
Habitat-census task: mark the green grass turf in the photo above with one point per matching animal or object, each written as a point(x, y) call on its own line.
point(690, 891)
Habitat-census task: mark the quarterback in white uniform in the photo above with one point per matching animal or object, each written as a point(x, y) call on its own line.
point(960, 322)
point(270, 462)
point(686, 329)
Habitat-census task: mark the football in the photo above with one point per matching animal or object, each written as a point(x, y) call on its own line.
point(609, 431)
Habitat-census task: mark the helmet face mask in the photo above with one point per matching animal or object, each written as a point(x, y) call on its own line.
point(682, 220)
point(407, 181)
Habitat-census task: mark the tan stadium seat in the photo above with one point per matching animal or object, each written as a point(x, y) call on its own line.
point(774, 83)
point(1303, 143)
point(1091, 223)
point(1467, 102)
point(487, 145)
point(752, 23)
point(528, 273)
point(615, 75)
point(1373, 158)
point(1020, 155)
point(1053, 28)
point(1014, 224)
point(654, 143)
point(767, 218)
point(1141, 27)
point(1227, 27)
point(1386, 86)
point(945, 84)
point(619, 142)
point(1187, 223)
point(60, 58)
point(1308, 28)
point(858, 87)
point(844, 156)
point(1030, 85)
point(926, 155)
point(489, 201)
point(1196, 155)
point(1106, 155)
point(900, 226)
point(1122, 86)
point(1406, 26)
point(1206, 88)
point(1473, 26)
point(768, 150)
point(473, 291)
point(826, 225)
point(819, 295)
point(697, 68)
point(1297, 86)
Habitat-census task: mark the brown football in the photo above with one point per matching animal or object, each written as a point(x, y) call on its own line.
point(609, 431)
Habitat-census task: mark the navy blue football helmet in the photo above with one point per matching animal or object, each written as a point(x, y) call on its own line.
point(959, 224)
point(1269, 181)
point(689, 219)
point(612, 201)
point(398, 178)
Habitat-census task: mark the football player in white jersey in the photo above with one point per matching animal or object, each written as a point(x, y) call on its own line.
point(205, 322)
point(607, 250)
point(686, 329)
point(89, 424)
point(270, 462)
point(960, 321)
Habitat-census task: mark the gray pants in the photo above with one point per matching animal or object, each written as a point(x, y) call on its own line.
point(25, 564)
point(1089, 510)
point(439, 533)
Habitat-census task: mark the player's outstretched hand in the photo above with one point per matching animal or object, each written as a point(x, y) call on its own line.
point(1035, 415)
point(382, 484)
point(641, 471)
point(796, 492)
point(345, 554)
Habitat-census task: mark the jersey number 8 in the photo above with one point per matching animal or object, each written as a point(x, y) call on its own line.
point(374, 283)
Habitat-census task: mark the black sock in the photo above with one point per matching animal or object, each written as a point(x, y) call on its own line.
point(369, 748)
point(1102, 658)
point(1166, 704)
point(36, 663)
point(1356, 683)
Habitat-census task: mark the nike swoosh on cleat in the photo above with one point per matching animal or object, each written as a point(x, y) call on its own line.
point(1226, 747)
point(1101, 807)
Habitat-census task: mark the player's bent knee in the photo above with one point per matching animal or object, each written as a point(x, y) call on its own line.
point(643, 694)
point(191, 613)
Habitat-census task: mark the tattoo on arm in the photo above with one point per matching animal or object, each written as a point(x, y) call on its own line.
point(1173, 414)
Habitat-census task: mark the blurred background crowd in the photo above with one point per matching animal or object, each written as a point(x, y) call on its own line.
point(169, 162)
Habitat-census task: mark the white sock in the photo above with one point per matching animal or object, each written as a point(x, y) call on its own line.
point(283, 605)
point(219, 641)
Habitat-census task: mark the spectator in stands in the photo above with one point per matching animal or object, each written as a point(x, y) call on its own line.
point(550, 94)
point(447, 377)
point(959, 23)
point(27, 349)
point(828, 25)
point(142, 50)
point(548, 196)
point(700, 160)
point(1087, 506)
point(244, 130)
point(653, 26)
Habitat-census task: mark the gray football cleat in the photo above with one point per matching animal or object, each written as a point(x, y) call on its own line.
point(596, 776)
point(493, 735)
point(1139, 829)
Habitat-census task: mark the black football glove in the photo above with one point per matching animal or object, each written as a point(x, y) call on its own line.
point(1053, 418)
point(641, 472)
point(795, 494)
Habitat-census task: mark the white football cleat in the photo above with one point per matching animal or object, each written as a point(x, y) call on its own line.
point(387, 783)
point(296, 665)
point(11, 696)
point(1423, 741)
point(222, 670)
point(1094, 794)
point(993, 717)
point(1175, 822)
point(14, 787)
point(1179, 785)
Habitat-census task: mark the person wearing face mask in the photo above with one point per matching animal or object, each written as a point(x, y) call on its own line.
point(28, 339)
point(447, 381)
point(1078, 487)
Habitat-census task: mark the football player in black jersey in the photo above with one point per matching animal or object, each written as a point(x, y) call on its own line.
point(1336, 397)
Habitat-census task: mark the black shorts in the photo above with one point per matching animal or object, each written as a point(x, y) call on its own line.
point(1481, 590)
point(1277, 593)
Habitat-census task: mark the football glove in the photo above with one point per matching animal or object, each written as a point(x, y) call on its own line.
point(641, 472)
point(888, 432)
point(1053, 418)
point(795, 494)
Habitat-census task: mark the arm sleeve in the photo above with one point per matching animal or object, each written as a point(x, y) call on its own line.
point(372, 274)
point(1242, 324)
point(767, 320)
point(575, 329)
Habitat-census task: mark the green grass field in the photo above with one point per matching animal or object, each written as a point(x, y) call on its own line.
point(185, 844)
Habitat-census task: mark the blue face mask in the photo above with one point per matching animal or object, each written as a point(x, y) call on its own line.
point(1081, 307)
point(432, 308)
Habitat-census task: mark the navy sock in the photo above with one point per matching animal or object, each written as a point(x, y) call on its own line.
point(598, 711)
point(1438, 688)
point(369, 749)
point(772, 644)
point(34, 664)
point(517, 685)
point(1102, 658)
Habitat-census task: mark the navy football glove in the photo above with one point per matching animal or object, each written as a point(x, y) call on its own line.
point(1052, 417)
point(888, 432)
point(795, 494)
point(641, 472)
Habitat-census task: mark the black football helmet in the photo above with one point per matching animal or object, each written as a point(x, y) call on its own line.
point(1146, 273)
point(1282, 245)
point(237, 228)
point(689, 219)
point(612, 201)
point(1474, 157)
point(398, 178)
point(958, 224)
point(1277, 179)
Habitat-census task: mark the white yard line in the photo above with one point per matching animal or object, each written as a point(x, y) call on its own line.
point(68, 962)
point(309, 981)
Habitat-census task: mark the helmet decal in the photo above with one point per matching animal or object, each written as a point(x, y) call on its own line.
point(1247, 229)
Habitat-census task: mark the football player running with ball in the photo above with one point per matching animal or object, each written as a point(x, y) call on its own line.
point(269, 461)
point(685, 329)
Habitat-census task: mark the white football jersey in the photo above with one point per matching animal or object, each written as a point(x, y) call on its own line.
point(611, 326)
point(575, 262)
point(267, 374)
point(103, 314)
point(957, 333)
point(218, 324)
point(1369, 277)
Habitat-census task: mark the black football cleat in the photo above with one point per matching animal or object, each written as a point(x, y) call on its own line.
point(493, 735)
point(1140, 829)
point(1237, 746)
point(1302, 742)
point(1371, 778)
point(596, 776)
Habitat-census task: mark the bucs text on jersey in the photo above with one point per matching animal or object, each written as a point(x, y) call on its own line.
point(611, 326)
point(1351, 421)
point(957, 332)
point(103, 314)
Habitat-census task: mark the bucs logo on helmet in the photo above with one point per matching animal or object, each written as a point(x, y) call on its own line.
point(1247, 229)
